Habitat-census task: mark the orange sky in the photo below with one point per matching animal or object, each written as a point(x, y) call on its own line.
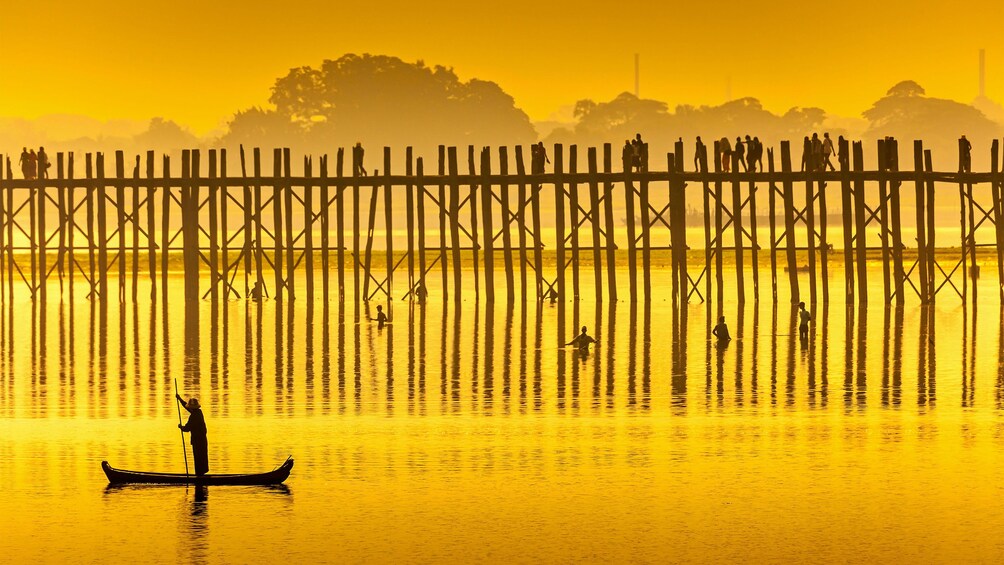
point(198, 62)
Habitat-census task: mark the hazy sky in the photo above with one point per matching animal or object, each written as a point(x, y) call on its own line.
point(198, 62)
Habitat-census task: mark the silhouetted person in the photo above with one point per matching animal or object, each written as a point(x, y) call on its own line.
point(25, 163)
point(381, 318)
point(740, 152)
point(32, 164)
point(806, 154)
point(42, 165)
point(827, 151)
point(965, 155)
point(582, 341)
point(256, 292)
point(803, 321)
point(758, 154)
point(542, 159)
point(420, 291)
point(843, 159)
point(721, 330)
point(750, 163)
point(552, 295)
point(817, 153)
point(197, 427)
point(357, 160)
point(627, 156)
point(700, 154)
point(726, 148)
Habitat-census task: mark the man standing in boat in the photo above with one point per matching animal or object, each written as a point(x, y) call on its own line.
point(197, 427)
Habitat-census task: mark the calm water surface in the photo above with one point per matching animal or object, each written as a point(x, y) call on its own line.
point(468, 435)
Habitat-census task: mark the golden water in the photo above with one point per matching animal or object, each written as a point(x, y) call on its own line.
point(468, 435)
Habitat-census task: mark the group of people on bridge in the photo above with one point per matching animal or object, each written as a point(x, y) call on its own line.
point(34, 165)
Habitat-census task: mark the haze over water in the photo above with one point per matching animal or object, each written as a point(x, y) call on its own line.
point(468, 434)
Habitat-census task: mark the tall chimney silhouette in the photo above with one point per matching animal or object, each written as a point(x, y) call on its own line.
point(983, 73)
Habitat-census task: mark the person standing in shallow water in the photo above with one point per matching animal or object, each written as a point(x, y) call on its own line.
point(381, 318)
point(803, 322)
point(196, 426)
point(721, 330)
point(582, 341)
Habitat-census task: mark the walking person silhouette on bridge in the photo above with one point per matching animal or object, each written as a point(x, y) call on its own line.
point(27, 170)
point(357, 160)
point(965, 155)
point(827, 151)
point(740, 152)
point(196, 426)
point(726, 149)
point(843, 159)
point(42, 165)
point(816, 155)
point(807, 154)
point(757, 159)
point(538, 158)
point(803, 322)
point(700, 154)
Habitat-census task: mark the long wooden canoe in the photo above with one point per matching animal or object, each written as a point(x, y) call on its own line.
point(121, 477)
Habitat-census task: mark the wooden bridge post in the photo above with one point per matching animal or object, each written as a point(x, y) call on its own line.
point(883, 159)
point(895, 225)
point(974, 273)
point(719, 199)
point(308, 226)
point(824, 245)
point(248, 204)
point(214, 242)
point(356, 166)
point(287, 209)
point(921, 213)
point(277, 194)
point(998, 217)
point(755, 243)
point(594, 225)
point(259, 249)
point(70, 226)
point(964, 242)
point(120, 221)
point(325, 204)
point(679, 225)
point(224, 231)
point(443, 262)
point(810, 230)
point(573, 217)
point(151, 222)
point(409, 197)
point(521, 222)
point(843, 149)
point(772, 223)
point(472, 206)
point(646, 226)
point(506, 214)
point(61, 191)
point(135, 231)
point(737, 226)
point(420, 210)
point(789, 221)
point(538, 245)
point(102, 228)
point(189, 228)
point(931, 259)
point(608, 221)
point(559, 219)
point(627, 166)
point(486, 217)
point(388, 211)
point(861, 243)
point(341, 190)
point(165, 225)
point(455, 222)
point(702, 164)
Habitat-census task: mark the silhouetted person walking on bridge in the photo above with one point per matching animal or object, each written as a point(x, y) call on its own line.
point(721, 330)
point(197, 427)
point(357, 160)
point(726, 149)
point(42, 165)
point(27, 169)
point(538, 158)
point(700, 154)
point(843, 159)
point(803, 322)
point(965, 155)
point(757, 158)
point(582, 341)
point(806, 154)
point(740, 152)
point(827, 151)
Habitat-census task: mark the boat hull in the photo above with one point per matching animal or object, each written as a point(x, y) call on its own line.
point(123, 477)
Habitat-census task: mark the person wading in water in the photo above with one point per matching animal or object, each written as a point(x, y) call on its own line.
point(197, 427)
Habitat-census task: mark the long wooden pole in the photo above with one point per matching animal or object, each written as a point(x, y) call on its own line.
point(184, 450)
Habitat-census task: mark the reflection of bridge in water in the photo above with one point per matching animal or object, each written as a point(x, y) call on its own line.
point(302, 358)
point(253, 228)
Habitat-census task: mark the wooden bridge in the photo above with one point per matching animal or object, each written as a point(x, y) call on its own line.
point(254, 228)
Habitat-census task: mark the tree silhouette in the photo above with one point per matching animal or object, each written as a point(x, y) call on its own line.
point(382, 100)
